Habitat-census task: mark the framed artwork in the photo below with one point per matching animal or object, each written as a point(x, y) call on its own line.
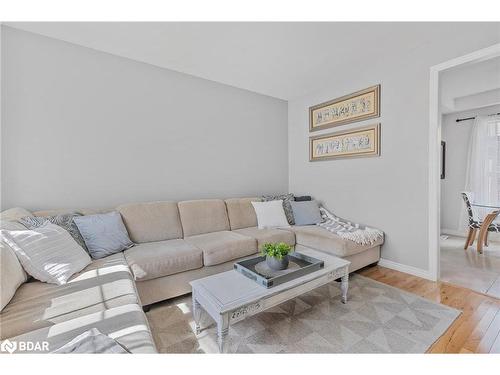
point(358, 142)
point(443, 160)
point(358, 106)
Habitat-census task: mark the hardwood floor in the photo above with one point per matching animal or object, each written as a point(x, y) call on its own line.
point(467, 268)
point(476, 330)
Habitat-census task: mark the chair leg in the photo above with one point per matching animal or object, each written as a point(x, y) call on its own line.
point(483, 233)
point(480, 241)
point(473, 237)
point(486, 242)
point(467, 241)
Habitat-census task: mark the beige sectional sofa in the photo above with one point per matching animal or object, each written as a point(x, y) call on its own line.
point(209, 236)
point(176, 242)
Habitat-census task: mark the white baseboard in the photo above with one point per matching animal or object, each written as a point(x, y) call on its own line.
point(453, 232)
point(492, 236)
point(406, 269)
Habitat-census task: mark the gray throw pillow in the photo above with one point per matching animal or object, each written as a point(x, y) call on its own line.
point(104, 234)
point(306, 212)
point(286, 198)
point(65, 221)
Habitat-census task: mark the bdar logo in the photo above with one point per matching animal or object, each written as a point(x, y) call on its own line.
point(8, 346)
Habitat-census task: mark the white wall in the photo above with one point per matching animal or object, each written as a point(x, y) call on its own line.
point(84, 128)
point(457, 136)
point(1, 112)
point(391, 191)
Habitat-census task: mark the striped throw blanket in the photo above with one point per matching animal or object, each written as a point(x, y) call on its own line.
point(358, 233)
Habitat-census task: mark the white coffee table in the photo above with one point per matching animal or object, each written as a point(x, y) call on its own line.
point(229, 297)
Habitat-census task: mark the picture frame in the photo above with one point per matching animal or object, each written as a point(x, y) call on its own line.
point(443, 160)
point(357, 142)
point(358, 106)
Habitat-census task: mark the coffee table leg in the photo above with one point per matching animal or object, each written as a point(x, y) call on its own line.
point(344, 285)
point(222, 331)
point(196, 314)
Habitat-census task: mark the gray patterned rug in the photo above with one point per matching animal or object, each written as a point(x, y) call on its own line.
point(376, 319)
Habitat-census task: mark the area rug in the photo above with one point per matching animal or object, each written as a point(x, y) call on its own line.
point(376, 319)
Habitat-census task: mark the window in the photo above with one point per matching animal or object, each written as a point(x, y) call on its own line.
point(494, 154)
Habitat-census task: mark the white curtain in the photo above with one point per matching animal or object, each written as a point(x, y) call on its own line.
point(482, 165)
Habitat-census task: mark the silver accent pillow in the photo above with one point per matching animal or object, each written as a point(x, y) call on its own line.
point(306, 213)
point(104, 234)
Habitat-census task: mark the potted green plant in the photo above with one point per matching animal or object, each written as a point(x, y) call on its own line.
point(276, 255)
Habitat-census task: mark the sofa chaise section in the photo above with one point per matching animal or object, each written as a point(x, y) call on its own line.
point(126, 324)
point(318, 238)
point(104, 284)
point(103, 295)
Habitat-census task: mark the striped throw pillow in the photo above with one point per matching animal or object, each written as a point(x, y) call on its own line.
point(48, 253)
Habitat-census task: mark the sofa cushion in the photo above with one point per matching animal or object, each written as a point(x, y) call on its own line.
point(48, 253)
point(319, 238)
point(157, 259)
point(220, 247)
point(241, 212)
point(203, 216)
point(153, 221)
point(268, 235)
point(127, 324)
point(103, 284)
point(12, 274)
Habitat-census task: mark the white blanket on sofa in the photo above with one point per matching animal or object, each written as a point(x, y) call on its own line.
point(92, 342)
point(358, 233)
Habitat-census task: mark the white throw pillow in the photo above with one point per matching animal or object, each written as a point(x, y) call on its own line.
point(48, 253)
point(270, 214)
point(12, 274)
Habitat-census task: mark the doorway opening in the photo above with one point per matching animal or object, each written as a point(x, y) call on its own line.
point(464, 171)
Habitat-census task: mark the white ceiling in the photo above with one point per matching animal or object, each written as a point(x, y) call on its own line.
point(284, 60)
point(470, 86)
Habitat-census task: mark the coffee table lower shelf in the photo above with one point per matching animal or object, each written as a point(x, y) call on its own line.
point(205, 297)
